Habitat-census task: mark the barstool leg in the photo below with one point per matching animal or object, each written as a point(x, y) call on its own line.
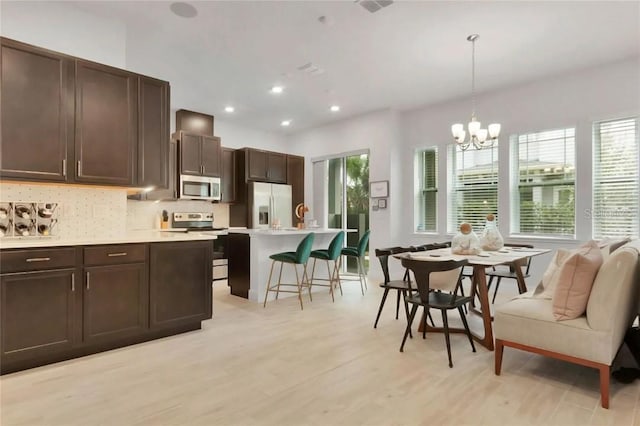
point(295, 267)
point(273, 263)
point(313, 272)
point(330, 275)
point(305, 278)
point(364, 273)
point(360, 275)
point(279, 280)
point(338, 267)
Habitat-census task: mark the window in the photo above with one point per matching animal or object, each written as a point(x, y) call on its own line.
point(544, 176)
point(473, 176)
point(615, 178)
point(427, 193)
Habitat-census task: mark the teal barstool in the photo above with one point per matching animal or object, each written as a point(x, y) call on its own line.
point(299, 257)
point(358, 252)
point(331, 254)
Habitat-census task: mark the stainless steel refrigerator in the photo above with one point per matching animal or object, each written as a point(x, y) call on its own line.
point(269, 204)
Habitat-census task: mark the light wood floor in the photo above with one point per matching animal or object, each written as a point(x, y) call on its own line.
point(325, 365)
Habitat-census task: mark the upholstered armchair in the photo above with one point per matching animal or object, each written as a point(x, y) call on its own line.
point(593, 339)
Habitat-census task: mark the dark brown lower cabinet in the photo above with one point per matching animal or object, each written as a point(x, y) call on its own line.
point(38, 313)
point(99, 298)
point(115, 301)
point(180, 283)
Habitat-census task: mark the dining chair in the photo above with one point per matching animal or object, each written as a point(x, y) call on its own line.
point(401, 286)
point(294, 258)
point(358, 252)
point(332, 253)
point(510, 273)
point(438, 292)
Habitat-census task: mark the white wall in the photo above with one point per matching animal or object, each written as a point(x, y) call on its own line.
point(577, 99)
point(65, 28)
point(378, 132)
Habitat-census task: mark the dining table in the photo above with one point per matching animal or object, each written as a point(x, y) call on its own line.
point(515, 257)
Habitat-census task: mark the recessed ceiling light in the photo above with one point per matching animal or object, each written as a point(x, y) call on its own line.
point(229, 109)
point(184, 10)
point(335, 108)
point(285, 123)
point(277, 89)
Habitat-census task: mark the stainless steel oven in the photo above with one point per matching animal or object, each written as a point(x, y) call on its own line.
point(220, 258)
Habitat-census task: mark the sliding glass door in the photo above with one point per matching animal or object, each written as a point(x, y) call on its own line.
point(348, 199)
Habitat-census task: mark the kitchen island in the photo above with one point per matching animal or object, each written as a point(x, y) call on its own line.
point(249, 263)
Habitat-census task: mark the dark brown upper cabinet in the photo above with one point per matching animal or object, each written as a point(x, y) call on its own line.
point(295, 178)
point(36, 96)
point(153, 133)
point(199, 155)
point(65, 119)
point(266, 166)
point(229, 182)
point(106, 124)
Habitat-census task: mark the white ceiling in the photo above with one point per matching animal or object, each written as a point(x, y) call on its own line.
point(404, 56)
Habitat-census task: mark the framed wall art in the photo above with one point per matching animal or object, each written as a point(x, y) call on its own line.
point(379, 189)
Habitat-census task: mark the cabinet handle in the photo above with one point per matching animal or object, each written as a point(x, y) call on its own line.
point(73, 282)
point(117, 254)
point(79, 168)
point(64, 167)
point(88, 280)
point(39, 259)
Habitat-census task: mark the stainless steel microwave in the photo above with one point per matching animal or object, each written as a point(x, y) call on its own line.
point(199, 188)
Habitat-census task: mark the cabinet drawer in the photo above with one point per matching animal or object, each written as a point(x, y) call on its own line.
point(115, 253)
point(37, 259)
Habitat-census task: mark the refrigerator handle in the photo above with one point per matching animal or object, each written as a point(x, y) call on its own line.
point(272, 200)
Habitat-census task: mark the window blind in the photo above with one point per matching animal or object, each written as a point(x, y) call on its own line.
point(474, 186)
point(615, 178)
point(545, 172)
point(427, 191)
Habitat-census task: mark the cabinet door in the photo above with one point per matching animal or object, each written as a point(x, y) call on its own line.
point(295, 178)
point(38, 313)
point(211, 153)
point(228, 175)
point(190, 163)
point(180, 283)
point(34, 102)
point(277, 167)
point(257, 168)
point(115, 302)
point(153, 133)
point(106, 124)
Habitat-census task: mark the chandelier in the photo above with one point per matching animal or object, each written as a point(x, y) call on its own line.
point(480, 138)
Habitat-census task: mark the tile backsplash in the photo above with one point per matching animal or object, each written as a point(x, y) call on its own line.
point(83, 212)
point(86, 212)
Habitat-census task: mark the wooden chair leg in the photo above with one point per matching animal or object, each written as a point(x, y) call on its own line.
point(397, 303)
point(425, 314)
point(445, 323)
point(605, 377)
point(406, 308)
point(266, 293)
point(498, 354)
point(414, 309)
point(384, 298)
point(495, 291)
point(466, 327)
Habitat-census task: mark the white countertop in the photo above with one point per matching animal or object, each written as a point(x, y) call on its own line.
point(286, 231)
point(149, 236)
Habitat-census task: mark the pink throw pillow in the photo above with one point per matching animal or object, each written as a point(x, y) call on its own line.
point(575, 280)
